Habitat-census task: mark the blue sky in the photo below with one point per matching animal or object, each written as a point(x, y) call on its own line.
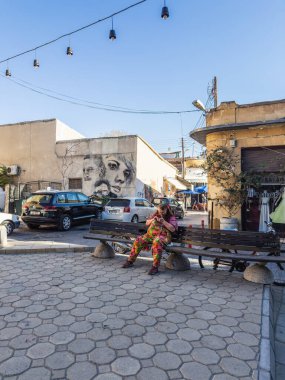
point(154, 64)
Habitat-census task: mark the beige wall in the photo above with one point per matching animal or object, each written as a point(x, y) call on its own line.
point(231, 112)
point(151, 169)
point(31, 145)
point(257, 136)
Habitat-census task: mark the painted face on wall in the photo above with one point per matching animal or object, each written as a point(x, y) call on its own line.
point(118, 171)
point(115, 172)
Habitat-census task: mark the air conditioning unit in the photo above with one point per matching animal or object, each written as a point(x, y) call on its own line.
point(13, 170)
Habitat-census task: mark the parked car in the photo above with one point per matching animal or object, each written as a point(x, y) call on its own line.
point(10, 221)
point(176, 207)
point(128, 209)
point(59, 208)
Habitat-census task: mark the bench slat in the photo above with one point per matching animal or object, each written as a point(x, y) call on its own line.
point(199, 252)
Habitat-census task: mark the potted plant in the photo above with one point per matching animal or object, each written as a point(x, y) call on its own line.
point(222, 166)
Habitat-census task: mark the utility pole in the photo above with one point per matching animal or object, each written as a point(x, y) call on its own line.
point(183, 158)
point(215, 92)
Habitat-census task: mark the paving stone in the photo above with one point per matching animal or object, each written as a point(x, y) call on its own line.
point(49, 314)
point(167, 327)
point(197, 324)
point(86, 371)
point(152, 373)
point(178, 346)
point(114, 323)
point(241, 351)
point(235, 367)
point(45, 329)
point(224, 376)
point(80, 346)
point(205, 356)
point(36, 374)
point(195, 371)
point(9, 333)
point(4, 310)
point(189, 334)
point(126, 366)
point(65, 306)
point(245, 338)
point(16, 316)
point(119, 342)
point(29, 323)
point(60, 360)
point(133, 330)
point(206, 315)
point(145, 320)
point(213, 342)
point(15, 366)
point(167, 360)
point(64, 320)
point(155, 338)
point(102, 355)
point(108, 376)
point(176, 317)
point(80, 312)
point(142, 351)
point(250, 327)
point(5, 353)
point(99, 333)
point(221, 330)
point(79, 327)
point(63, 337)
point(41, 350)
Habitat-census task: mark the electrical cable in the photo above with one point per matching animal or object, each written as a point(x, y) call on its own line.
point(73, 32)
point(102, 108)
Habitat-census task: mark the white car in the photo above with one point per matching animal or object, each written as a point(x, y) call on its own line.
point(128, 209)
point(10, 221)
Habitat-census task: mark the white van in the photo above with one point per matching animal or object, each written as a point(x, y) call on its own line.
point(10, 221)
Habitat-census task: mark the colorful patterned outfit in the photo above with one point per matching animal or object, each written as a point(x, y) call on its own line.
point(157, 237)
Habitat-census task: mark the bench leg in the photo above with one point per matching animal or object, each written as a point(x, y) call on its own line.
point(258, 273)
point(103, 251)
point(177, 262)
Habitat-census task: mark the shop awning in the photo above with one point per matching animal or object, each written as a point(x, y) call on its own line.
point(176, 183)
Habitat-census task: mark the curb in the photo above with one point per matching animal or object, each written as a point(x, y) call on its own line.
point(267, 343)
point(75, 249)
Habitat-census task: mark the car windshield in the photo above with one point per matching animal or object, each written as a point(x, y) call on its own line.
point(39, 199)
point(157, 201)
point(118, 203)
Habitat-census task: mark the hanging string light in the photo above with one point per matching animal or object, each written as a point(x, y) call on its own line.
point(69, 50)
point(112, 34)
point(36, 61)
point(8, 72)
point(165, 12)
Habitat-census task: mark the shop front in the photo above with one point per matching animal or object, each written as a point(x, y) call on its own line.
point(267, 203)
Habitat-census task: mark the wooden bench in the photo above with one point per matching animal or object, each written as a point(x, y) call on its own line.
point(234, 248)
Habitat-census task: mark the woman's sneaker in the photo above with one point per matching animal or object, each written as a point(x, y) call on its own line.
point(128, 264)
point(153, 271)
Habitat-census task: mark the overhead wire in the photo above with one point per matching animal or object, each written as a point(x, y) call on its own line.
point(88, 104)
point(73, 32)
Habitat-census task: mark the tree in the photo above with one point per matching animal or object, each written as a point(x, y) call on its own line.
point(4, 178)
point(65, 162)
point(222, 166)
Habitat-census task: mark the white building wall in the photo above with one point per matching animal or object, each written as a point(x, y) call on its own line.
point(64, 132)
point(151, 169)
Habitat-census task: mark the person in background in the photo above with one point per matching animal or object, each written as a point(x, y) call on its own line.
point(161, 225)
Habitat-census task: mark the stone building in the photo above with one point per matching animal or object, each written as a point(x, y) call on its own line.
point(256, 133)
point(48, 152)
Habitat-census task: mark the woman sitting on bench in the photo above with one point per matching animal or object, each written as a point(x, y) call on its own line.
point(159, 234)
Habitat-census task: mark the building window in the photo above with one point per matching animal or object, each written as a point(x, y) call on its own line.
point(74, 183)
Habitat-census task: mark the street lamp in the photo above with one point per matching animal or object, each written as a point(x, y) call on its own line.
point(198, 104)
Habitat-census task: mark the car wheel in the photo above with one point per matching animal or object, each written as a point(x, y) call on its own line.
point(64, 223)
point(33, 226)
point(9, 227)
point(135, 219)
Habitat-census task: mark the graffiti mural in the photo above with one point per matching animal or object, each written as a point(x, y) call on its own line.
point(108, 175)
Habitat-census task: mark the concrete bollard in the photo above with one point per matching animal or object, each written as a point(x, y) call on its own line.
point(3, 237)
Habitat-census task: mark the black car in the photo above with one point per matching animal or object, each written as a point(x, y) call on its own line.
point(59, 208)
point(176, 207)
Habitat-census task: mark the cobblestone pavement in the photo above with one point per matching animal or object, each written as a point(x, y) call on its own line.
point(71, 316)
